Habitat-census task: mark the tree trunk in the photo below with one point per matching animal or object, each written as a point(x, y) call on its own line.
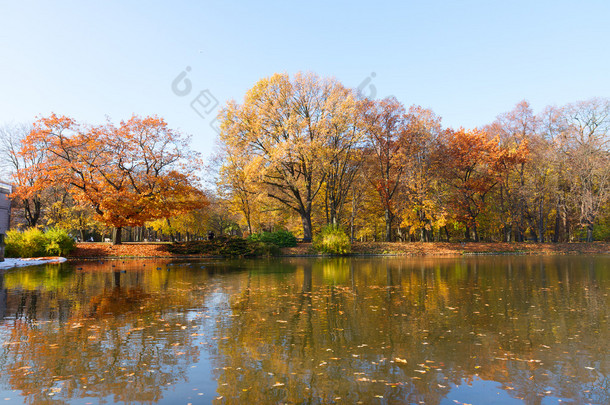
point(521, 233)
point(557, 227)
point(249, 224)
point(306, 219)
point(589, 232)
point(334, 215)
point(508, 230)
point(352, 219)
point(117, 235)
point(541, 224)
point(389, 217)
point(476, 232)
point(326, 210)
point(169, 227)
point(32, 214)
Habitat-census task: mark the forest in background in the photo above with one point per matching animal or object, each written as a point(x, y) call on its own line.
point(304, 152)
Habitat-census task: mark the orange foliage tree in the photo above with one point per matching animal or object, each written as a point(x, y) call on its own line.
point(135, 172)
point(471, 164)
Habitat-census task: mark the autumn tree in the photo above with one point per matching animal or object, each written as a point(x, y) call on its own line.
point(385, 127)
point(62, 212)
point(190, 225)
point(469, 161)
point(422, 211)
point(128, 174)
point(553, 126)
point(521, 194)
point(234, 183)
point(286, 128)
point(345, 156)
point(221, 219)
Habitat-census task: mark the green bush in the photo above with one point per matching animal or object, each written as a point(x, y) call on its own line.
point(601, 232)
point(282, 238)
point(332, 240)
point(59, 243)
point(35, 243)
point(29, 243)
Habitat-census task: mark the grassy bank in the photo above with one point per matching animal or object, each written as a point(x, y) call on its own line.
point(106, 250)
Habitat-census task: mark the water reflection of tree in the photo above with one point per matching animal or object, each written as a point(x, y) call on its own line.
point(122, 332)
point(407, 330)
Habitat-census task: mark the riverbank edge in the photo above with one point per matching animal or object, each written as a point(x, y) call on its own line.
point(96, 251)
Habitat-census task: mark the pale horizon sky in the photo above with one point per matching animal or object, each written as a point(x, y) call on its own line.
point(468, 61)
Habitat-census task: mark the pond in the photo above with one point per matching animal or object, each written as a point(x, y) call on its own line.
point(497, 329)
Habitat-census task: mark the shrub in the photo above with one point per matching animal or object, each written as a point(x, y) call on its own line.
point(601, 232)
point(29, 243)
point(59, 243)
point(281, 238)
point(332, 240)
point(258, 249)
point(35, 243)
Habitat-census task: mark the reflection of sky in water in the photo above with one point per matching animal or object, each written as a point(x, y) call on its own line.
point(479, 330)
point(479, 391)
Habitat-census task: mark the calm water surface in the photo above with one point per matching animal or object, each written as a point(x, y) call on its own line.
point(479, 330)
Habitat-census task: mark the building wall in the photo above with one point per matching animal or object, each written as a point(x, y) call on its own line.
point(5, 218)
point(5, 210)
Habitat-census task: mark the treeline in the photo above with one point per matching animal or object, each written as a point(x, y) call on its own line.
point(306, 153)
point(302, 152)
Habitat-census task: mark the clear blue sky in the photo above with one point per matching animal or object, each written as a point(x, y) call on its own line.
point(467, 60)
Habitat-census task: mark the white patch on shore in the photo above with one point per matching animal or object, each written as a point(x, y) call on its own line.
point(9, 263)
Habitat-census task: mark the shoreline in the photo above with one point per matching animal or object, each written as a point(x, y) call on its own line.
point(148, 250)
